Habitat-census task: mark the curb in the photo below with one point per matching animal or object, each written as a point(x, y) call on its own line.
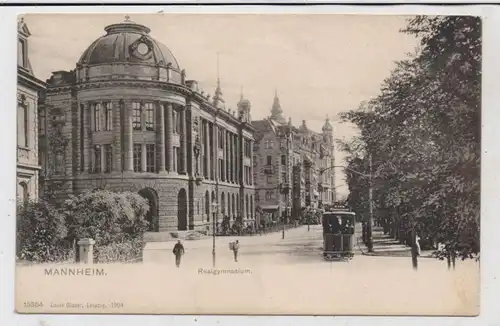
point(377, 254)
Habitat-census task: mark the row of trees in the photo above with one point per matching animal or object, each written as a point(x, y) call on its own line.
point(116, 221)
point(423, 135)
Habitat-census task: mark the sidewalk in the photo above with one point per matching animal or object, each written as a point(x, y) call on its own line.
point(384, 245)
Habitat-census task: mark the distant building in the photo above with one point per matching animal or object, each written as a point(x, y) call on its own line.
point(28, 88)
point(291, 160)
point(126, 119)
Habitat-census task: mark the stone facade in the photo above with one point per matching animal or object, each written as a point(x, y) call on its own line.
point(28, 88)
point(294, 167)
point(126, 119)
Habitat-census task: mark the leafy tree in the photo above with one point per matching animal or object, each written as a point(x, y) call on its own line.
point(423, 134)
point(41, 233)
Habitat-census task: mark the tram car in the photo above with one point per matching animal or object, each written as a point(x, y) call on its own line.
point(338, 233)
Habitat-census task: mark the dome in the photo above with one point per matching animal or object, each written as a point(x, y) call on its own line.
point(127, 42)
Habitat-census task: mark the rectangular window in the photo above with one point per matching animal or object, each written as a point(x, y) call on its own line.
point(269, 160)
point(221, 141)
point(137, 157)
point(150, 158)
point(22, 125)
point(136, 116)
point(108, 116)
point(283, 159)
point(108, 154)
point(97, 116)
point(283, 177)
point(20, 52)
point(269, 179)
point(149, 116)
point(97, 159)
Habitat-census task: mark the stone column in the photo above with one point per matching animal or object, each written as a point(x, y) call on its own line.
point(237, 160)
point(250, 181)
point(86, 251)
point(169, 151)
point(86, 135)
point(143, 157)
point(117, 160)
point(129, 138)
point(233, 157)
point(224, 155)
point(160, 132)
point(216, 152)
point(183, 141)
point(207, 149)
point(88, 108)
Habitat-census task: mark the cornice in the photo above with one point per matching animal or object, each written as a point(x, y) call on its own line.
point(24, 77)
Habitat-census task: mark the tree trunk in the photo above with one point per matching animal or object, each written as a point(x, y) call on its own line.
point(414, 250)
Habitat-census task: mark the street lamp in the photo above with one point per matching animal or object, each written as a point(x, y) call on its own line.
point(370, 196)
point(215, 207)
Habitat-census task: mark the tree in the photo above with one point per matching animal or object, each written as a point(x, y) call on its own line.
point(423, 133)
point(41, 233)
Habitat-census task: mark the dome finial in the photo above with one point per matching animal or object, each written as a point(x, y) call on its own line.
point(276, 111)
point(127, 18)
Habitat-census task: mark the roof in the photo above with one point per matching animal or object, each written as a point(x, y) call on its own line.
point(128, 42)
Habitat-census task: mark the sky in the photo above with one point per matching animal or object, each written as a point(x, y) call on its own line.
point(320, 65)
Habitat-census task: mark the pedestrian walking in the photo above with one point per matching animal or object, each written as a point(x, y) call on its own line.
point(417, 243)
point(236, 247)
point(178, 252)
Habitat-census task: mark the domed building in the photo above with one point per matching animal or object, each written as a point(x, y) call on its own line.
point(126, 119)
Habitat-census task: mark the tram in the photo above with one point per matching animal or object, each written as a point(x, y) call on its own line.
point(338, 233)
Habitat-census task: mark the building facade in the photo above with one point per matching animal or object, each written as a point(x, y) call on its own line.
point(294, 167)
point(126, 119)
point(28, 88)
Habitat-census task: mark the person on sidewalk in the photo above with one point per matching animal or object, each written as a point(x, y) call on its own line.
point(178, 252)
point(417, 243)
point(236, 247)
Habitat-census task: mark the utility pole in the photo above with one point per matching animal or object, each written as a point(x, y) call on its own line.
point(370, 199)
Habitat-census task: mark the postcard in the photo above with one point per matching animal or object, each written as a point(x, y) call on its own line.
point(248, 164)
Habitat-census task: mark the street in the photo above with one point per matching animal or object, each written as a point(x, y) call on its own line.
point(273, 276)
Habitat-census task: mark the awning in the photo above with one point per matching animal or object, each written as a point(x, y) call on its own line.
point(315, 193)
point(269, 207)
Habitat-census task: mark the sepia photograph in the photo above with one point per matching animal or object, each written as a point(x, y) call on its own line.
point(248, 164)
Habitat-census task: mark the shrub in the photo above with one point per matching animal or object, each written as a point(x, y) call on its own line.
point(106, 217)
point(41, 233)
point(129, 250)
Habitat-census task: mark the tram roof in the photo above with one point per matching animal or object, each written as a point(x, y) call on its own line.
point(339, 211)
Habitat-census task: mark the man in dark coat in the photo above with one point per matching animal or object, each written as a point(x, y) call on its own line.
point(178, 252)
point(236, 247)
